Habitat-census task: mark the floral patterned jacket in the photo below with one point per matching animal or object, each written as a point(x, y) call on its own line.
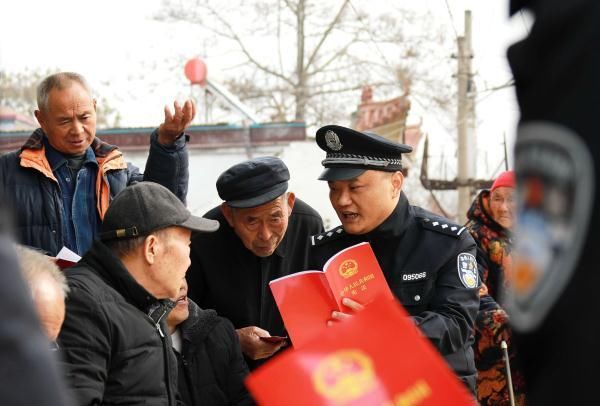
point(494, 242)
point(491, 325)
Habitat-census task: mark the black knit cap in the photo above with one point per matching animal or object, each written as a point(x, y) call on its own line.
point(350, 153)
point(145, 207)
point(254, 182)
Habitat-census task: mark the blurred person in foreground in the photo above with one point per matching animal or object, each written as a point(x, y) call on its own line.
point(263, 236)
point(491, 221)
point(211, 365)
point(48, 287)
point(114, 341)
point(61, 181)
point(28, 372)
point(428, 262)
point(552, 301)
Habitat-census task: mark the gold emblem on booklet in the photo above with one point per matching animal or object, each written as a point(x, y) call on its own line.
point(348, 268)
point(344, 375)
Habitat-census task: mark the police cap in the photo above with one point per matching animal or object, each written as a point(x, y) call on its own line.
point(350, 153)
point(254, 182)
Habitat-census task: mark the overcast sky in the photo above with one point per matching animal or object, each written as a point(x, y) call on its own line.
point(118, 46)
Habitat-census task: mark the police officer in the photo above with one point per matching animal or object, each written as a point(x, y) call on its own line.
point(428, 261)
point(553, 297)
point(264, 235)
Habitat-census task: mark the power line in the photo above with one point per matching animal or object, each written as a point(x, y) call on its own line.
point(385, 60)
point(492, 90)
point(451, 19)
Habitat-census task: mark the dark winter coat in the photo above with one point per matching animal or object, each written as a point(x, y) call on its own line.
point(29, 186)
point(211, 365)
point(556, 83)
point(114, 341)
point(28, 370)
point(229, 278)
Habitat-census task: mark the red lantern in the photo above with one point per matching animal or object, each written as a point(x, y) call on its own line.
point(195, 71)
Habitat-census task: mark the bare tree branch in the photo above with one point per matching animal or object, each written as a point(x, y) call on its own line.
point(319, 53)
point(325, 35)
point(336, 55)
point(244, 49)
point(293, 9)
point(346, 89)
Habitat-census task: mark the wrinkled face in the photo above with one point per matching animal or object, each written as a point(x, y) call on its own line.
point(363, 203)
point(503, 206)
point(181, 311)
point(70, 119)
point(50, 306)
point(172, 260)
point(261, 228)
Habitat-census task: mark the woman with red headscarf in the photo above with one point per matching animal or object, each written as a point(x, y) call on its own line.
point(490, 221)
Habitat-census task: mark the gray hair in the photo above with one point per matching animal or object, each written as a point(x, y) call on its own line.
point(58, 81)
point(35, 264)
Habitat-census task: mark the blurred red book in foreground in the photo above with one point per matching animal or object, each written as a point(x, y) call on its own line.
point(66, 258)
point(306, 299)
point(379, 357)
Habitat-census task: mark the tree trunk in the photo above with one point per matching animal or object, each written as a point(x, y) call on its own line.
point(300, 91)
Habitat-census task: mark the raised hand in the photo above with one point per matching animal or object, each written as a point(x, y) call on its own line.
point(176, 122)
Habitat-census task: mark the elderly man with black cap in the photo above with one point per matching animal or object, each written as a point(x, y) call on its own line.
point(264, 235)
point(428, 261)
point(115, 343)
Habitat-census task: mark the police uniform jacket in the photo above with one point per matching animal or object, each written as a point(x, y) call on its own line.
point(229, 278)
point(419, 255)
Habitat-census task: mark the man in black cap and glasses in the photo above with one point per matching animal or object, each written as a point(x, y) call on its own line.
point(115, 343)
point(264, 235)
point(428, 261)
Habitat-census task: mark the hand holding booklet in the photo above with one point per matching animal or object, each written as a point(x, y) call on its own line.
point(306, 299)
point(273, 339)
point(378, 357)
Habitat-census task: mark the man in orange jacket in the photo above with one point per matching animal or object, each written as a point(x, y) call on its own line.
point(62, 179)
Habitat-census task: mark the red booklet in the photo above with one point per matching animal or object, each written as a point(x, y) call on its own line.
point(306, 299)
point(66, 258)
point(378, 357)
point(273, 339)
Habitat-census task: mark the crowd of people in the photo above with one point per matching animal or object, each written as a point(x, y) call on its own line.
point(166, 307)
point(126, 323)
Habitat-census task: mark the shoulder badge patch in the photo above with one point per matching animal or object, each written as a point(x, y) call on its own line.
point(442, 226)
point(555, 200)
point(467, 270)
point(319, 239)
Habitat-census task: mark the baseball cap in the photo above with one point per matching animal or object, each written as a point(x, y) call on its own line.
point(145, 207)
